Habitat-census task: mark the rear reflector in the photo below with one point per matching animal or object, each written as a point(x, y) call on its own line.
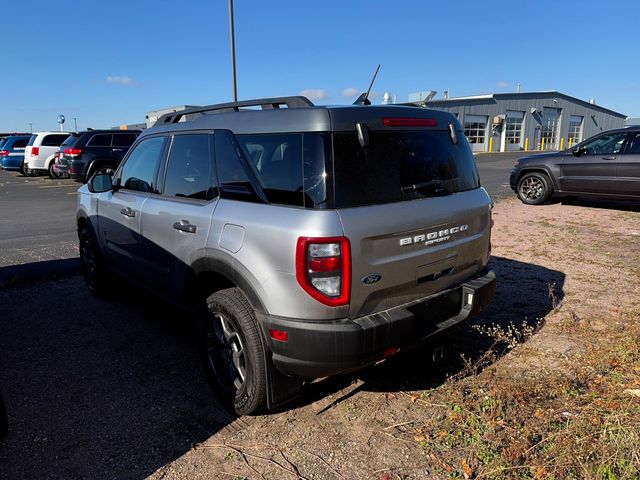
point(35, 151)
point(410, 122)
point(390, 351)
point(279, 335)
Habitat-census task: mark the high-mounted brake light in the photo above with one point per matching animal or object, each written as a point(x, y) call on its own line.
point(4, 153)
point(410, 122)
point(35, 151)
point(323, 269)
point(72, 151)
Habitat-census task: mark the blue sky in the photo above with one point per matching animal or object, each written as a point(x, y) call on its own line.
point(107, 63)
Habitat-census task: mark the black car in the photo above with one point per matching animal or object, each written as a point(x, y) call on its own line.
point(605, 165)
point(84, 153)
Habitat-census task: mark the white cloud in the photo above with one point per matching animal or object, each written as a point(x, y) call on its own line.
point(314, 93)
point(350, 92)
point(503, 84)
point(120, 80)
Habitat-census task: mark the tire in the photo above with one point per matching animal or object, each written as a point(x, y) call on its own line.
point(21, 168)
point(91, 263)
point(534, 188)
point(233, 352)
point(28, 172)
point(52, 173)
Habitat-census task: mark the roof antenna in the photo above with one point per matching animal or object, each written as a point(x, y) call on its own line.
point(364, 98)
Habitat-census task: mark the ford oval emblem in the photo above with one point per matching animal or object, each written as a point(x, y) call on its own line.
point(371, 279)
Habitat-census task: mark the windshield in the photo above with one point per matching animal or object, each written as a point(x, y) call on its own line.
point(400, 165)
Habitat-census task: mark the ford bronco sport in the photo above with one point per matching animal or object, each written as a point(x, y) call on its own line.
point(318, 240)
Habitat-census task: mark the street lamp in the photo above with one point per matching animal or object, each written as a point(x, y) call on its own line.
point(75, 123)
point(30, 127)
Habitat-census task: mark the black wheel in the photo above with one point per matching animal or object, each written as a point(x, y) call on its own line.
point(29, 172)
point(534, 188)
point(21, 168)
point(233, 352)
point(91, 264)
point(52, 173)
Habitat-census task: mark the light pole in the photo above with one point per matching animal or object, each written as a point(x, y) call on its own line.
point(75, 124)
point(30, 127)
point(233, 52)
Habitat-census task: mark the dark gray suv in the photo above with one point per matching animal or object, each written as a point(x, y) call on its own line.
point(315, 240)
point(606, 165)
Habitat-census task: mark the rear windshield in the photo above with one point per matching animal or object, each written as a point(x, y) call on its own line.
point(69, 141)
point(400, 165)
point(3, 141)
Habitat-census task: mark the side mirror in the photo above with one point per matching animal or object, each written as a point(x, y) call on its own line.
point(578, 151)
point(101, 182)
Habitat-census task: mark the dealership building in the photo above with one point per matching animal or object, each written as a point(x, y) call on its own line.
point(503, 122)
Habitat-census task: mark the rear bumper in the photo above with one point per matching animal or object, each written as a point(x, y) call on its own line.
point(11, 163)
point(77, 170)
point(318, 349)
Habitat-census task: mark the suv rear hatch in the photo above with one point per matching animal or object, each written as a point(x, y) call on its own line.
point(409, 198)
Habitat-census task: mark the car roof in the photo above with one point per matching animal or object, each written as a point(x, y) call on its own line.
point(302, 117)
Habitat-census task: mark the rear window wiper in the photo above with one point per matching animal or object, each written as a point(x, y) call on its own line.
point(438, 184)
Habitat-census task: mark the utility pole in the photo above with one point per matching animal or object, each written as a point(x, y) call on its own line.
point(233, 52)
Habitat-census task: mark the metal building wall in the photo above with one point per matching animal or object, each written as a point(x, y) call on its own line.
point(595, 119)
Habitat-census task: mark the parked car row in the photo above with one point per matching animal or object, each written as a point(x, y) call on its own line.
point(77, 155)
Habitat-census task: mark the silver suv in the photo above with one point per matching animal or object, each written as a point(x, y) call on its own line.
point(317, 240)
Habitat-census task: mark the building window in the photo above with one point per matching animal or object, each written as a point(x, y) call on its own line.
point(475, 128)
point(575, 129)
point(550, 120)
point(513, 125)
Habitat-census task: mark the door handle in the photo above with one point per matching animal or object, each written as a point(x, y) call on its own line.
point(116, 149)
point(127, 212)
point(609, 158)
point(185, 226)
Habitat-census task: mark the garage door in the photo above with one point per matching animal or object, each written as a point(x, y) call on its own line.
point(475, 129)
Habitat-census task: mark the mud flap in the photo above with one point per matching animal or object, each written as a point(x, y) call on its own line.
point(281, 388)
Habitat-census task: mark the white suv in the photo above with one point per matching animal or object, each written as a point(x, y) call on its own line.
point(39, 155)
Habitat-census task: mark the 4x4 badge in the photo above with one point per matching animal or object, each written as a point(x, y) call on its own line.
point(371, 279)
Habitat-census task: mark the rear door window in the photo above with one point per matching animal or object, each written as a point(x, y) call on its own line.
point(398, 166)
point(21, 143)
point(124, 139)
point(190, 172)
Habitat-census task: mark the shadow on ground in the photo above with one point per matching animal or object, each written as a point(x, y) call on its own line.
point(98, 388)
point(525, 292)
point(622, 205)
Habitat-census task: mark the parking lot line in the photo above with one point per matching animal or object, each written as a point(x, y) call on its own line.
point(57, 186)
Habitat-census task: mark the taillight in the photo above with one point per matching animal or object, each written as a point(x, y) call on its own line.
point(35, 151)
point(410, 122)
point(323, 269)
point(72, 151)
point(4, 153)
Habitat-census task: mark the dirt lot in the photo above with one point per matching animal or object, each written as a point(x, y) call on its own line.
point(545, 384)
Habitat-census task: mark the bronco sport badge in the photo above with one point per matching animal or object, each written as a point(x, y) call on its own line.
point(437, 236)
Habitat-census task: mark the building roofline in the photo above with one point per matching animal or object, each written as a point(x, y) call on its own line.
point(502, 96)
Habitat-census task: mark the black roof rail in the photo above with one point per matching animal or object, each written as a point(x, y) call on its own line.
point(265, 103)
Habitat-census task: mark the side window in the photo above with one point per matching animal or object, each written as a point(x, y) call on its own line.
point(605, 144)
point(233, 177)
point(103, 140)
point(277, 162)
point(635, 144)
point(20, 143)
point(141, 168)
point(190, 168)
point(124, 139)
point(53, 140)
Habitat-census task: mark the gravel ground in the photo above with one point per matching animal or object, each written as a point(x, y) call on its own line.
point(113, 388)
